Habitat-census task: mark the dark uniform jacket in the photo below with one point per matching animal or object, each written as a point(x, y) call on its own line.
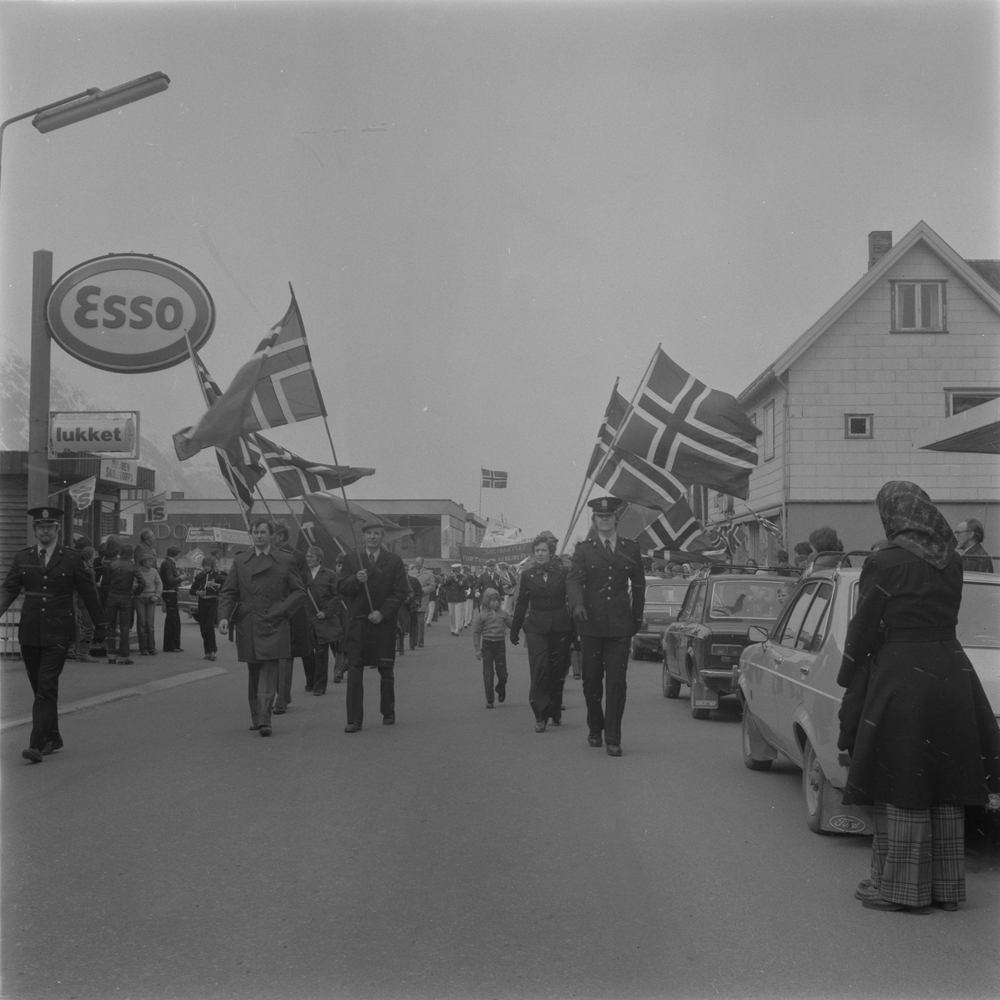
point(599, 583)
point(47, 617)
point(454, 588)
point(541, 600)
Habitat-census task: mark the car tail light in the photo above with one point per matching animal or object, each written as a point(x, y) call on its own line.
point(718, 649)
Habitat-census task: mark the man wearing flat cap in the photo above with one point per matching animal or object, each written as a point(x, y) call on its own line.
point(48, 573)
point(606, 591)
point(373, 586)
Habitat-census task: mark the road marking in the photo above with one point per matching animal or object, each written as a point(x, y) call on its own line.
point(163, 684)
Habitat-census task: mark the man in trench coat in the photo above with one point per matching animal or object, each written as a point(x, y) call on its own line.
point(260, 596)
point(373, 586)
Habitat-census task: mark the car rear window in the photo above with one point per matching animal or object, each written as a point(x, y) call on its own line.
point(754, 599)
point(658, 593)
point(979, 616)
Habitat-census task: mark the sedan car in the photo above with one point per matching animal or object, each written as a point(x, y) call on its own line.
point(664, 597)
point(787, 683)
point(703, 645)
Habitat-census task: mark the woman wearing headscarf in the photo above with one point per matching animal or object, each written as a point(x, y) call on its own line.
point(543, 613)
point(926, 743)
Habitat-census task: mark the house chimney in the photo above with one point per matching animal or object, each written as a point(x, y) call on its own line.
point(879, 244)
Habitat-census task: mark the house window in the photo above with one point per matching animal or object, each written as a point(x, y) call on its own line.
point(960, 400)
point(769, 431)
point(918, 306)
point(857, 425)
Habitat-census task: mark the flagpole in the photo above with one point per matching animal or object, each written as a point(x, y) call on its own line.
point(576, 505)
point(607, 454)
point(204, 396)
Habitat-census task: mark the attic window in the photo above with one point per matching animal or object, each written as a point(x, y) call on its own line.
point(857, 425)
point(960, 400)
point(918, 306)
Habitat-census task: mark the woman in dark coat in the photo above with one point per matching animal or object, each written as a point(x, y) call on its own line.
point(927, 743)
point(322, 604)
point(543, 613)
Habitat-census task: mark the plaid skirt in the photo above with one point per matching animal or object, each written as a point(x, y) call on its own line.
point(918, 855)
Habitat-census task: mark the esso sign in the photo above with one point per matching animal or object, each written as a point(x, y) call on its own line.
point(129, 313)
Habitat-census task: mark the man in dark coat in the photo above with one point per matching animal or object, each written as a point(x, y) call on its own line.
point(489, 579)
point(970, 536)
point(261, 594)
point(171, 577)
point(605, 568)
point(47, 573)
point(373, 586)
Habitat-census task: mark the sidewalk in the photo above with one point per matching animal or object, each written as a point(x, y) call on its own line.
point(82, 685)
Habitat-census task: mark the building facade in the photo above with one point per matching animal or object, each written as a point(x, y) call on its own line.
point(846, 407)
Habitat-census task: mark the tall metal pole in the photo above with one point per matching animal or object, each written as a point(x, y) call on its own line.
point(39, 388)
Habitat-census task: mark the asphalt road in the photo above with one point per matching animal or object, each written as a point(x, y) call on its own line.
point(169, 852)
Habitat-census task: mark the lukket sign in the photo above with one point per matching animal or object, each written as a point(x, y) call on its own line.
point(129, 313)
point(113, 434)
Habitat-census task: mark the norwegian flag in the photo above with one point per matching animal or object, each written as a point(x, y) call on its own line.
point(678, 530)
point(733, 537)
point(697, 434)
point(240, 462)
point(774, 530)
point(613, 416)
point(286, 391)
point(494, 479)
point(297, 476)
point(629, 477)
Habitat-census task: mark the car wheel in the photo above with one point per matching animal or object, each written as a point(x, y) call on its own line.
point(748, 758)
point(814, 787)
point(671, 686)
point(697, 713)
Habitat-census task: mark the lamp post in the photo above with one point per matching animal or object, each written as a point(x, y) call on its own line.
point(88, 103)
point(47, 118)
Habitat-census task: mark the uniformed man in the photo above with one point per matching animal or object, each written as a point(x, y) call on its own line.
point(605, 568)
point(48, 573)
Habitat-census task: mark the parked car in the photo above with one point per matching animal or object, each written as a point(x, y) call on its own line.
point(787, 681)
point(664, 597)
point(703, 645)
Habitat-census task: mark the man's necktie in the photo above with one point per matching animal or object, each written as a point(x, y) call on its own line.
point(44, 557)
point(607, 545)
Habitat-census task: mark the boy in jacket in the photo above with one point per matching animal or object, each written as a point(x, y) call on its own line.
point(488, 631)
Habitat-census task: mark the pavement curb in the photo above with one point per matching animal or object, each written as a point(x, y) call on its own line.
point(163, 684)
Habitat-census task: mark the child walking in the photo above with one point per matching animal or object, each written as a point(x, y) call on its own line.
point(145, 605)
point(488, 631)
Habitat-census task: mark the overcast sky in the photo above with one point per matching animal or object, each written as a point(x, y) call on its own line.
point(490, 211)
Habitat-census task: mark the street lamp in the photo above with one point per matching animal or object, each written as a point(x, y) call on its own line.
point(48, 117)
point(88, 103)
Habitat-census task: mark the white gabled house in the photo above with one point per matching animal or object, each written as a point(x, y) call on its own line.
point(847, 406)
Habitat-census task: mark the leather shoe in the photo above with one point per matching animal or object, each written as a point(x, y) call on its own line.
point(950, 906)
point(884, 904)
point(33, 754)
point(52, 746)
point(866, 890)
point(254, 728)
point(388, 720)
point(318, 693)
point(540, 726)
point(613, 750)
point(501, 696)
point(595, 741)
point(278, 711)
point(265, 730)
point(352, 727)
point(556, 722)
